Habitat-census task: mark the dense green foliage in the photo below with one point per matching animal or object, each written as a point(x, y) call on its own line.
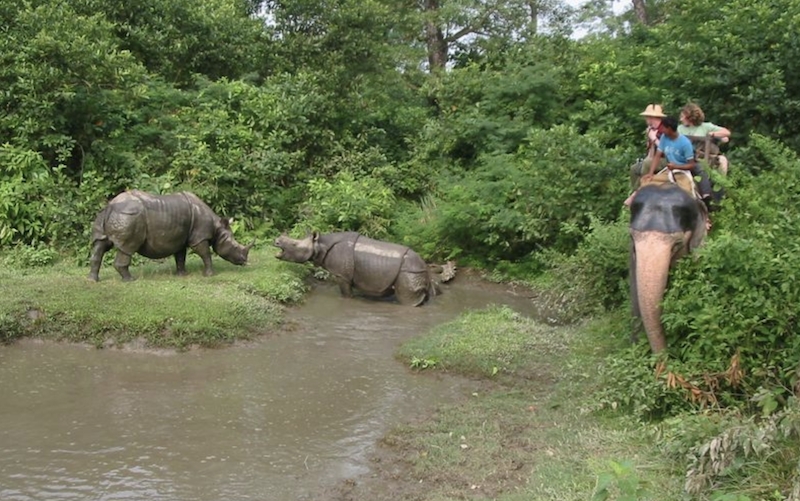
point(300, 115)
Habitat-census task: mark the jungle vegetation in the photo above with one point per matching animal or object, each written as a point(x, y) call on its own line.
point(497, 133)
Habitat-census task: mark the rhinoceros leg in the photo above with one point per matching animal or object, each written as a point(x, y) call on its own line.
point(411, 288)
point(98, 251)
point(204, 251)
point(121, 263)
point(180, 262)
point(345, 287)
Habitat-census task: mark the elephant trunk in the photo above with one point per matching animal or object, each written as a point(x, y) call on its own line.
point(653, 254)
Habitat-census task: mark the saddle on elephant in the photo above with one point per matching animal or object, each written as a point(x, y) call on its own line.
point(682, 178)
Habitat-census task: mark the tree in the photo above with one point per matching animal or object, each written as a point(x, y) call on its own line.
point(641, 11)
point(447, 22)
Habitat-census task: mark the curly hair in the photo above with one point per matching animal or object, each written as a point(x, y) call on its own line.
point(694, 114)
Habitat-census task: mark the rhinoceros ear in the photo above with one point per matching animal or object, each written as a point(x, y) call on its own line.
point(225, 222)
point(315, 236)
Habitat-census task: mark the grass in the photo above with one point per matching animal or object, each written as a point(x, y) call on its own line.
point(526, 436)
point(58, 302)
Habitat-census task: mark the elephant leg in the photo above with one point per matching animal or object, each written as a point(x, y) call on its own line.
point(180, 262)
point(121, 264)
point(412, 288)
point(204, 251)
point(98, 251)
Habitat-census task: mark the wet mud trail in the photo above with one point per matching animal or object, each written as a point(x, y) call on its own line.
point(281, 418)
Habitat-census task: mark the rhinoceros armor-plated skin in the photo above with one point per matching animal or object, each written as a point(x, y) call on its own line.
point(373, 267)
point(158, 226)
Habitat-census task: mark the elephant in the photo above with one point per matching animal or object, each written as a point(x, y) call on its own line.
point(666, 224)
point(157, 226)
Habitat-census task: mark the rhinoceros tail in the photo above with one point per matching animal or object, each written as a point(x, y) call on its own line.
point(98, 227)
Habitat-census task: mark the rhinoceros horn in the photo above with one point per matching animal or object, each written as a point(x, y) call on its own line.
point(251, 244)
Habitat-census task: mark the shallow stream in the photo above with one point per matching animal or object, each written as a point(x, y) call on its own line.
point(279, 418)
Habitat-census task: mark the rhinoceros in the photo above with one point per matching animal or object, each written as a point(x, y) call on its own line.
point(373, 267)
point(158, 226)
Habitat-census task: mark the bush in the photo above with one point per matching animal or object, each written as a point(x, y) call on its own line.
point(627, 385)
point(511, 205)
point(595, 277)
point(347, 203)
point(27, 256)
point(712, 309)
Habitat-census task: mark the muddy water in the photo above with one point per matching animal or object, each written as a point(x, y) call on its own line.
point(275, 419)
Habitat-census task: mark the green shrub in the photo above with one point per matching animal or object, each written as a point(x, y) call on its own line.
point(741, 293)
point(28, 256)
point(348, 203)
point(761, 455)
point(595, 277)
point(511, 205)
point(627, 384)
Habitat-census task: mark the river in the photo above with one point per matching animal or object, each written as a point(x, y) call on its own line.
point(279, 418)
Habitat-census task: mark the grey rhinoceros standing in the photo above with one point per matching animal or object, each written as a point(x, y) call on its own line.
point(158, 226)
point(374, 267)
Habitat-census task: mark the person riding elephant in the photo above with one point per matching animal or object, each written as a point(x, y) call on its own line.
point(652, 114)
point(694, 126)
point(680, 155)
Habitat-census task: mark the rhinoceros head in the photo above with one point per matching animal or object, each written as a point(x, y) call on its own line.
point(226, 247)
point(296, 251)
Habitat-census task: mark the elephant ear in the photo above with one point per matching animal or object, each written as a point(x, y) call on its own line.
point(699, 233)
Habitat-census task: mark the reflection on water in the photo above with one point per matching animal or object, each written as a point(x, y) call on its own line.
point(274, 419)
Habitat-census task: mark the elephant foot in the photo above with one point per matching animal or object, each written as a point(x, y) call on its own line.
point(128, 279)
point(93, 278)
point(208, 273)
point(181, 273)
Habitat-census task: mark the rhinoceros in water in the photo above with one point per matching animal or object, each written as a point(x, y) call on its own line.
point(373, 267)
point(158, 226)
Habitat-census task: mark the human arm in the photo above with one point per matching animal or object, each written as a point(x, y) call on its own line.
point(721, 133)
point(653, 164)
point(689, 165)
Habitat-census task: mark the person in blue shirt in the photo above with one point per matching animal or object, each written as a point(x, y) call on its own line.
point(680, 156)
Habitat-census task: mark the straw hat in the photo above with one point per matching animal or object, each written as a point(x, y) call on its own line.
point(653, 110)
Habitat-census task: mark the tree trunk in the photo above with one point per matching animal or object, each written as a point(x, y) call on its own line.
point(641, 12)
point(533, 27)
point(437, 47)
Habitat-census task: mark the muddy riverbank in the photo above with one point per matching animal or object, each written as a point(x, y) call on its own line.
point(282, 417)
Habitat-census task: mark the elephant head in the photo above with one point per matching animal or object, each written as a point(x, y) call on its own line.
point(666, 224)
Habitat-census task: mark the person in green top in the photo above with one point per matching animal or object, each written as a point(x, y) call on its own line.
point(693, 124)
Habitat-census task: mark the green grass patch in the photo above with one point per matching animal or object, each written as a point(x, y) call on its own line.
point(58, 302)
point(525, 435)
point(493, 342)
